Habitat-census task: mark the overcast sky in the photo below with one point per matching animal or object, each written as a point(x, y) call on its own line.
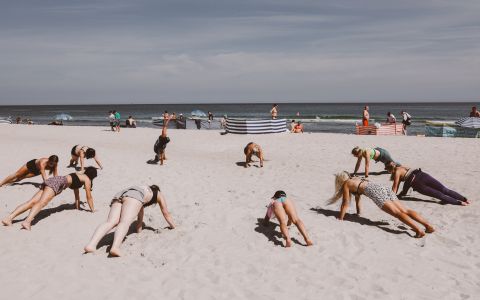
point(116, 51)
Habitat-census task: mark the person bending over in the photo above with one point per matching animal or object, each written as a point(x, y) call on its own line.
point(382, 196)
point(127, 205)
point(53, 187)
point(377, 154)
point(250, 150)
point(284, 210)
point(423, 183)
point(82, 152)
point(34, 168)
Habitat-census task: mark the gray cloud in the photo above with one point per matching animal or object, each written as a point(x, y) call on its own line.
point(220, 51)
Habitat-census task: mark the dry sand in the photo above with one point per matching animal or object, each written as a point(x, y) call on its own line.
point(219, 250)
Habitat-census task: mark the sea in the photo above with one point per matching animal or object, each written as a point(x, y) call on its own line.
point(316, 117)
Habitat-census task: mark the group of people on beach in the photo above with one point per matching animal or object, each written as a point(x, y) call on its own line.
point(129, 203)
point(391, 119)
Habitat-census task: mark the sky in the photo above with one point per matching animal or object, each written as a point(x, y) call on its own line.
point(205, 51)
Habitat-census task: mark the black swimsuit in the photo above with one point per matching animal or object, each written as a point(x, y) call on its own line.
point(161, 144)
point(32, 167)
point(76, 183)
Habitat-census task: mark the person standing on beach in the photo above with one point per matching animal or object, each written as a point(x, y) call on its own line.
point(127, 205)
point(284, 210)
point(274, 111)
point(53, 187)
point(111, 120)
point(366, 116)
point(391, 118)
point(406, 121)
point(117, 121)
point(34, 168)
point(475, 113)
point(210, 118)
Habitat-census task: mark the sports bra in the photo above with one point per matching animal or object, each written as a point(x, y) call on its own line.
point(358, 186)
point(372, 152)
point(76, 183)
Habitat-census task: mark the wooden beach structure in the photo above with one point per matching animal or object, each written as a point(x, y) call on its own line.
point(383, 129)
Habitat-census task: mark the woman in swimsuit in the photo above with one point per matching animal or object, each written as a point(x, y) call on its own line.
point(52, 187)
point(34, 168)
point(125, 206)
point(424, 184)
point(286, 214)
point(162, 141)
point(381, 195)
point(250, 150)
point(82, 152)
point(377, 154)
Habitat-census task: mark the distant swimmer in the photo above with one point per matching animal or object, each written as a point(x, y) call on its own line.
point(126, 206)
point(284, 210)
point(424, 184)
point(377, 154)
point(34, 168)
point(82, 152)
point(250, 150)
point(53, 187)
point(382, 196)
point(274, 111)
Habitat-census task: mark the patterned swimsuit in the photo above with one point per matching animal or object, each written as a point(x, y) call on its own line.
point(379, 193)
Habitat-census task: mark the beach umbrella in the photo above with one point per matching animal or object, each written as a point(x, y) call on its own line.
point(469, 122)
point(198, 113)
point(63, 117)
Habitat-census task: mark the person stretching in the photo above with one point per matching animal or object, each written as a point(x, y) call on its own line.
point(285, 212)
point(423, 183)
point(382, 196)
point(82, 152)
point(377, 154)
point(53, 187)
point(162, 141)
point(250, 150)
point(125, 206)
point(34, 168)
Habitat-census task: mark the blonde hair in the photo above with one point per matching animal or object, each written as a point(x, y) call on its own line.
point(340, 179)
point(356, 150)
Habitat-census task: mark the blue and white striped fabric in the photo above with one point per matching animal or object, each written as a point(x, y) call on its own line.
point(243, 126)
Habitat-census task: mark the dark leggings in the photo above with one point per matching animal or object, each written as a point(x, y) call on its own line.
point(427, 185)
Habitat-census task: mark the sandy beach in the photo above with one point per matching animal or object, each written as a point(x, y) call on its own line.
point(219, 249)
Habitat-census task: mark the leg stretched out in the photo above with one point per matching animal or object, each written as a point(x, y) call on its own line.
point(130, 209)
point(104, 228)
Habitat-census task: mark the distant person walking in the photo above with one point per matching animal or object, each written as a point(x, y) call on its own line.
point(366, 116)
point(274, 111)
point(210, 118)
point(111, 120)
point(117, 121)
point(475, 113)
point(406, 121)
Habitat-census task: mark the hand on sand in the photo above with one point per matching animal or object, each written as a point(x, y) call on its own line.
point(26, 226)
point(419, 234)
point(7, 222)
point(429, 229)
point(309, 243)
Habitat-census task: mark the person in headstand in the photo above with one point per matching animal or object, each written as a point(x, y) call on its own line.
point(284, 210)
point(250, 150)
point(53, 187)
point(34, 168)
point(82, 152)
point(127, 205)
point(382, 196)
point(161, 143)
point(377, 154)
point(423, 183)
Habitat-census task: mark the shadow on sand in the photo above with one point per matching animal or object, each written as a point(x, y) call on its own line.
point(360, 220)
point(413, 199)
point(268, 230)
point(107, 240)
point(35, 184)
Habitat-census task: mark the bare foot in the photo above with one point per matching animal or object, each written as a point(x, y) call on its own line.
point(7, 222)
point(115, 252)
point(288, 244)
point(429, 229)
point(309, 243)
point(420, 234)
point(464, 203)
point(26, 225)
point(89, 249)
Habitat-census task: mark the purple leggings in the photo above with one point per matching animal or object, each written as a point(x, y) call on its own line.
point(427, 185)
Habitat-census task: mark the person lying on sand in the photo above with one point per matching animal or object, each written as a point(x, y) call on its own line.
point(82, 152)
point(382, 196)
point(377, 154)
point(162, 141)
point(53, 187)
point(250, 150)
point(285, 212)
point(424, 184)
point(34, 168)
point(125, 206)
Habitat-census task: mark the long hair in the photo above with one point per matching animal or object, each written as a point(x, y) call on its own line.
point(340, 179)
point(52, 159)
point(391, 168)
point(155, 189)
point(355, 150)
